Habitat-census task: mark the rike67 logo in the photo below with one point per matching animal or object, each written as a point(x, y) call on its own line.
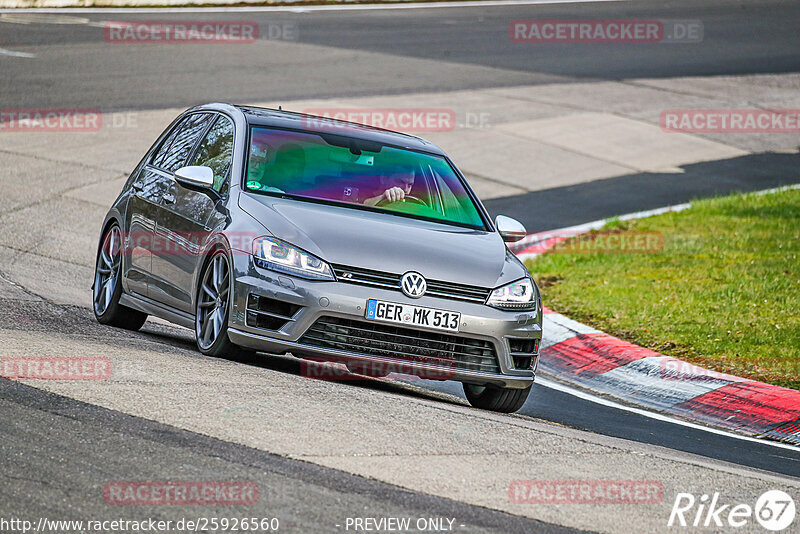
point(774, 510)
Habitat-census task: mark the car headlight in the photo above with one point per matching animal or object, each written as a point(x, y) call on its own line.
point(517, 295)
point(276, 255)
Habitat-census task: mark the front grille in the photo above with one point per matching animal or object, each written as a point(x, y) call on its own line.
point(400, 343)
point(524, 345)
point(523, 352)
point(522, 362)
point(267, 313)
point(436, 288)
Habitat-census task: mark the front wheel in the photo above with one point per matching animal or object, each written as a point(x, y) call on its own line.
point(213, 308)
point(496, 399)
point(107, 288)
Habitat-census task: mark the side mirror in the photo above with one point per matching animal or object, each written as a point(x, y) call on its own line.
point(511, 230)
point(195, 176)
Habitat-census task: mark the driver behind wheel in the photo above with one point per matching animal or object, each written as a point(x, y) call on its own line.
point(395, 185)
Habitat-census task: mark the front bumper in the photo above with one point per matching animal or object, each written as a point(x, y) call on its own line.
point(348, 301)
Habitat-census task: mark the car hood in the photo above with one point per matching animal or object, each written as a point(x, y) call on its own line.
point(385, 242)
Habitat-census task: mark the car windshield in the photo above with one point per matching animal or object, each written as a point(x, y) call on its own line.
point(359, 174)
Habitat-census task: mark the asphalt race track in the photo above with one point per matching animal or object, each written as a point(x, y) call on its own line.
point(323, 452)
point(433, 50)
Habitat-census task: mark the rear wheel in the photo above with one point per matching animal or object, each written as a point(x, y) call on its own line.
point(107, 288)
point(496, 399)
point(213, 309)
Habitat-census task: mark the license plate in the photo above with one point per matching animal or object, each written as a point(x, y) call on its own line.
point(406, 314)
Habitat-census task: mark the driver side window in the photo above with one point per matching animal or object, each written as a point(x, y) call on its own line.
point(176, 148)
point(216, 152)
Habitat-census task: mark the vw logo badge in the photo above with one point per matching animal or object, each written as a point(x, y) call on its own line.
point(413, 285)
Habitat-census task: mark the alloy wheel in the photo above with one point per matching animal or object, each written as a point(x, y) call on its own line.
point(212, 302)
point(107, 272)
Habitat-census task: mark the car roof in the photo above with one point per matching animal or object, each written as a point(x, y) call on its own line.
point(314, 123)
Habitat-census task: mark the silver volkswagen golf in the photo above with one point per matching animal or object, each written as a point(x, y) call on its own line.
point(278, 232)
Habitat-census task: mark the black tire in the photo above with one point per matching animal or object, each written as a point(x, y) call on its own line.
point(107, 287)
point(496, 399)
point(220, 346)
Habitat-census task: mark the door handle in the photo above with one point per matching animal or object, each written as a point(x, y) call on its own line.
point(169, 199)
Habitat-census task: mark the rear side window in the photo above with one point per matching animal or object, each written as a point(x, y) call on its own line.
point(216, 151)
point(176, 148)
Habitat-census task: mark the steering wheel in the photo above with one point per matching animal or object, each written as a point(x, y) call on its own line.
point(413, 199)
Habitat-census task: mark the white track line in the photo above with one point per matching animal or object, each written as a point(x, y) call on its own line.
point(304, 9)
point(654, 415)
point(4, 52)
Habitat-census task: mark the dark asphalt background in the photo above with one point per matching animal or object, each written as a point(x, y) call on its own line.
point(558, 407)
point(430, 50)
point(92, 446)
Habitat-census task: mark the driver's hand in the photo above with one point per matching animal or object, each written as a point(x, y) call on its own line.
point(394, 194)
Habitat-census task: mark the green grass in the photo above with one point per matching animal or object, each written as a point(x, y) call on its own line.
point(724, 293)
